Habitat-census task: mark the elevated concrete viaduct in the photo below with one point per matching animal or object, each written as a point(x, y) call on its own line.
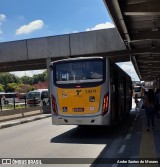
point(34, 54)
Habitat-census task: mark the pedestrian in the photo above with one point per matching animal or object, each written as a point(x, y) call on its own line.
point(136, 101)
point(149, 100)
point(158, 103)
point(4, 99)
point(144, 99)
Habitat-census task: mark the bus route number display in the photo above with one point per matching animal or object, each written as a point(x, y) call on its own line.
point(78, 66)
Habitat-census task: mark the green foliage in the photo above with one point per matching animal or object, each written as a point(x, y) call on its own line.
point(11, 83)
point(6, 78)
point(1, 88)
point(11, 87)
point(24, 88)
point(27, 80)
point(45, 75)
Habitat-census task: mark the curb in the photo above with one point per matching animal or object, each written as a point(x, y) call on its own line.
point(14, 123)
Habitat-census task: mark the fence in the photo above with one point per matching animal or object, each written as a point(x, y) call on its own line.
point(15, 103)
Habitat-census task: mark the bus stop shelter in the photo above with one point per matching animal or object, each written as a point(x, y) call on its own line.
point(138, 23)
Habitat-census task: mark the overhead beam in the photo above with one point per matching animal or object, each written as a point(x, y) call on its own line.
point(149, 61)
point(151, 8)
point(134, 62)
point(118, 53)
point(76, 44)
point(117, 17)
point(149, 72)
point(145, 51)
point(115, 11)
point(145, 36)
point(146, 67)
point(23, 65)
point(136, 1)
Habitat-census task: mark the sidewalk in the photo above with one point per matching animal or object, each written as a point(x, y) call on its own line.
point(17, 121)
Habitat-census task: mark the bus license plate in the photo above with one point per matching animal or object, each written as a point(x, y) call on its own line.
point(78, 109)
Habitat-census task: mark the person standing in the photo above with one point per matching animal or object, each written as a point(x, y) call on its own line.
point(149, 101)
point(158, 103)
point(136, 101)
point(4, 99)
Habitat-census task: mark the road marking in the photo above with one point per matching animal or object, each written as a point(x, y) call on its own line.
point(122, 149)
point(128, 136)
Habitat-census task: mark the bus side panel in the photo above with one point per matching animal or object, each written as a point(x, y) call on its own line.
point(113, 88)
point(117, 103)
point(121, 97)
point(128, 95)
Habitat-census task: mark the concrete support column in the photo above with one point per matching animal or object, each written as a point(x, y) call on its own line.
point(48, 62)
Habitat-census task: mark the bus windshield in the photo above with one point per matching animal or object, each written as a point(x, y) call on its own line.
point(137, 89)
point(33, 95)
point(79, 71)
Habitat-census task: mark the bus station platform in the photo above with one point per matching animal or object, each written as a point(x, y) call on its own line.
point(150, 140)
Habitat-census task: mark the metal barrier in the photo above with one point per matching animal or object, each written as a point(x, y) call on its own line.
point(14, 103)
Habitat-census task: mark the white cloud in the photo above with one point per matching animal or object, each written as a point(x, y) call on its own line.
point(29, 28)
point(75, 32)
point(2, 17)
point(101, 26)
point(129, 69)
point(27, 73)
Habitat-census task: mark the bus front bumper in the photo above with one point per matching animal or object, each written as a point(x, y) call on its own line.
point(81, 120)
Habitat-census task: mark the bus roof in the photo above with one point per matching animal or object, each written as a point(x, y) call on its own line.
point(7, 93)
point(38, 90)
point(78, 58)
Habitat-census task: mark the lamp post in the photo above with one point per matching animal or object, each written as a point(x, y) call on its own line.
point(25, 87)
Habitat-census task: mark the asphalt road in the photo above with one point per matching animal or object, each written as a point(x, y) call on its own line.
point(40, 139)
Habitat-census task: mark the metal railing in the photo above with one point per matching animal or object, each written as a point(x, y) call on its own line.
point(14, 103)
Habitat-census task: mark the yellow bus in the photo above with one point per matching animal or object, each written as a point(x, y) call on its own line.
point(89, 91)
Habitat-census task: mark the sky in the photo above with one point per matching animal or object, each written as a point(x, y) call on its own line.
point(25, 19)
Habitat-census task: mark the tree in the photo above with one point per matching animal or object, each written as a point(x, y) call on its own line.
point(45, 76)
point(6, 78)
point(24, 88)
point(40, 77)
point(1, 88)
point(10, 83)
point(27, 80)
point(11, 87)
